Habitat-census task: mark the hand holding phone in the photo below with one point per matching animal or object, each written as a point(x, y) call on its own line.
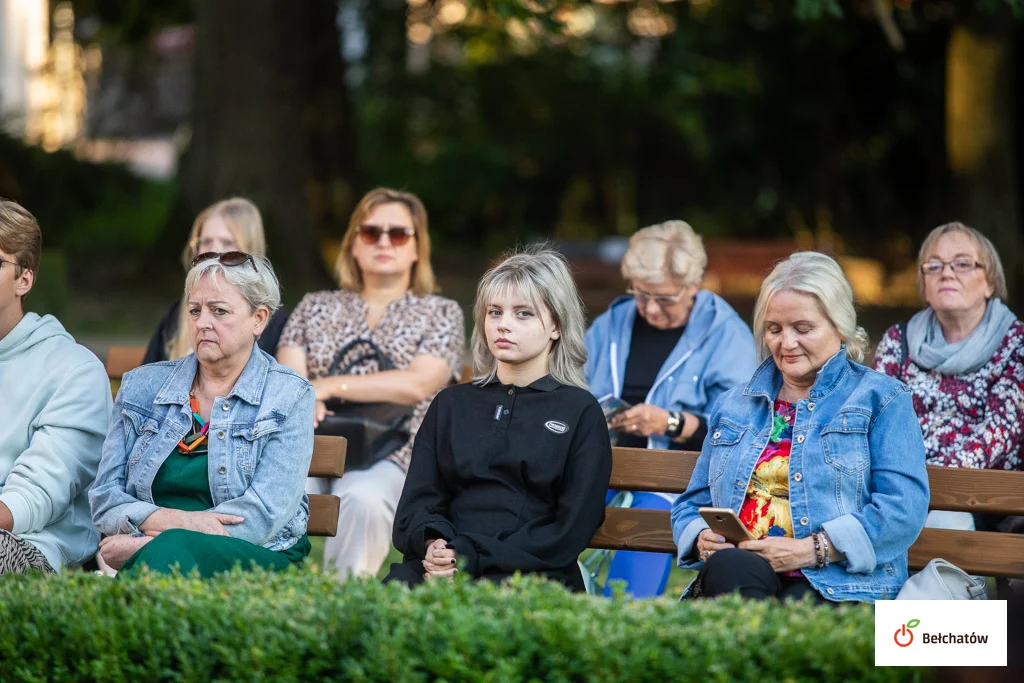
point(612, 406)
point(725, 523)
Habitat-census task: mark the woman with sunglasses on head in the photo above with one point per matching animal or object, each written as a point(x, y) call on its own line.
point(228, 225)
point(963, 359)
point(386, 302)
point(668, 349)
point(205, 460)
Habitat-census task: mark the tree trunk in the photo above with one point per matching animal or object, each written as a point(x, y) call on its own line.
point(273, 123)
point(980, 138)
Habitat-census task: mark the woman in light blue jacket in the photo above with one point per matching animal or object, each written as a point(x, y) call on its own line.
point(205, 462)
point(820, 457)
point(669, 350)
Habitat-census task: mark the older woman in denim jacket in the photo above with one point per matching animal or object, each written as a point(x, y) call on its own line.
point(819, 456)
point(669, 349)
point(205, 462)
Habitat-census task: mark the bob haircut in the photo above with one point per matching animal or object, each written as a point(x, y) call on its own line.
point(542, 276)
point(258, 286)
point(246, 225)
point(243, 220)
point(987, 254)
point(667, 251)
point(347, 270)
point(818, 275)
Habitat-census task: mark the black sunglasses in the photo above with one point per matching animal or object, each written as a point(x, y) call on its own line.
point(398, 235)
point(228, 258)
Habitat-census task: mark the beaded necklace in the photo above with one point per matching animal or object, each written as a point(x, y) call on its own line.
point(197, 437)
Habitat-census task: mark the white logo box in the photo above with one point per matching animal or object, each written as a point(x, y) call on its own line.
point(940, 633)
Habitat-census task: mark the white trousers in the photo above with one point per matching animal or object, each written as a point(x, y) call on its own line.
point(367, 512)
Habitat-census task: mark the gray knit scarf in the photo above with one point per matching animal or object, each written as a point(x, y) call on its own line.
point(929, 349)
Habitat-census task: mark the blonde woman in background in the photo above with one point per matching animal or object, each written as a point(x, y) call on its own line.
point(385, 313)
point(229, 225)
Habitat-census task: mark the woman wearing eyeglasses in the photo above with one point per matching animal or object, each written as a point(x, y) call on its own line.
point(386, 298)
point(963, 359)
point(228, 225)
point(206, 456)
point(668, 349)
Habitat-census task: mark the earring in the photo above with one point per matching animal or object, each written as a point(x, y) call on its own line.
point(842, 347)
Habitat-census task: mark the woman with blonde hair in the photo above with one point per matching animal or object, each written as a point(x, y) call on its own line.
point(668, 350)
point(509, 473)
point(818, 456)
point(384, 336)
point(228, 225)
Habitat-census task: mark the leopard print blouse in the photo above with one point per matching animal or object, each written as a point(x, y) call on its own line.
point(413, 325)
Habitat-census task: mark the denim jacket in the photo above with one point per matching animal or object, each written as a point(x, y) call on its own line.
point(856, 470)
point(714, 354)
point(260, 446)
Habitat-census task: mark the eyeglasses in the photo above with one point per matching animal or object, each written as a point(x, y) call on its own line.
point(398, 235)
point(958, 266)
point(13, 263)
point(662, 300)
point(228, 258)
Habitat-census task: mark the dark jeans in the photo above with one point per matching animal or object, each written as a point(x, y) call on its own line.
point(734, 570)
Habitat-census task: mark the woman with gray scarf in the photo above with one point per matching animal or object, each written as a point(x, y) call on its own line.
point(963, 359)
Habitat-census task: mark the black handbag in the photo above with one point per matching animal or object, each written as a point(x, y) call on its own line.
point(373, 430)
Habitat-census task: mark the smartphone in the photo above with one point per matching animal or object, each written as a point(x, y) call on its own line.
point(725, 523)
point(612, 406)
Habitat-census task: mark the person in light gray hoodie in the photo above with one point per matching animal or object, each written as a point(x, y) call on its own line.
point(55, 402)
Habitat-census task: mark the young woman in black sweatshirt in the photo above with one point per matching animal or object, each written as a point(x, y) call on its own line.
point(509, 473)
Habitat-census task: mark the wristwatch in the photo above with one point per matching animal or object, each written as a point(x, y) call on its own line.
point(675, 425)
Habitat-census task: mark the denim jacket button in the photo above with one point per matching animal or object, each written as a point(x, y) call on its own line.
point(222, 469)
point(225, 407)
point(830, 591)
point(804, 521)
point(798, 477)
point(716, 435)
point(220, 435)
point(800, 438)
point(810, 406)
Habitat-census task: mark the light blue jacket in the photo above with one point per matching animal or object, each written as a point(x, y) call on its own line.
point(715, 353)
point(54, 403)
point(260, 445)
point(856, 470)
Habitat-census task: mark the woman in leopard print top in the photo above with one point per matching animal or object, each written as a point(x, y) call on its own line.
point(386, 297)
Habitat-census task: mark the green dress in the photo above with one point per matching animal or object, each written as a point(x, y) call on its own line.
point(183, 483)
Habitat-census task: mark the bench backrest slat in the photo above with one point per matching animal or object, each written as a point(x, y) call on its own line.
point(962, 490)
point(121, 359)
point(328, 456)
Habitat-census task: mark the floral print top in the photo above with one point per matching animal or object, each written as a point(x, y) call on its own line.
point(969, 420)
point(765, 510)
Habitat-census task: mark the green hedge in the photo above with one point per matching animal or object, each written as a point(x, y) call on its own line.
point(304, 626)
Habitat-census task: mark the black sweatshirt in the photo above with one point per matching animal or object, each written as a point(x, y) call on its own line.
point(514, 478)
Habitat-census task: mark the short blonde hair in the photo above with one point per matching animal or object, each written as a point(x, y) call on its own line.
point(818, 275)
point(669, 250)
point(541, 275)
point(349, 275)
point(246, 225)
point(20, 236)
point(243, 220)
point(257, 285)
point(986, 252)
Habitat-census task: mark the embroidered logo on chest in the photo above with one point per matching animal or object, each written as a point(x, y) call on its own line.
point(556, 426)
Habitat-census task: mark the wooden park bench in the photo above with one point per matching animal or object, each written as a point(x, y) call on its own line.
point(121, 359)
point(983, 553)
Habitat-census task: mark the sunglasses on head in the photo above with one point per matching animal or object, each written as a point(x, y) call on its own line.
point(228, 258)
point(398, 235)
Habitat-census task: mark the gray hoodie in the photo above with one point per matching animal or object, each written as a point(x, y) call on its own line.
point(55, 402)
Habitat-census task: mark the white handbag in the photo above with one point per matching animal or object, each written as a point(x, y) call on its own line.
point(941, 580)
